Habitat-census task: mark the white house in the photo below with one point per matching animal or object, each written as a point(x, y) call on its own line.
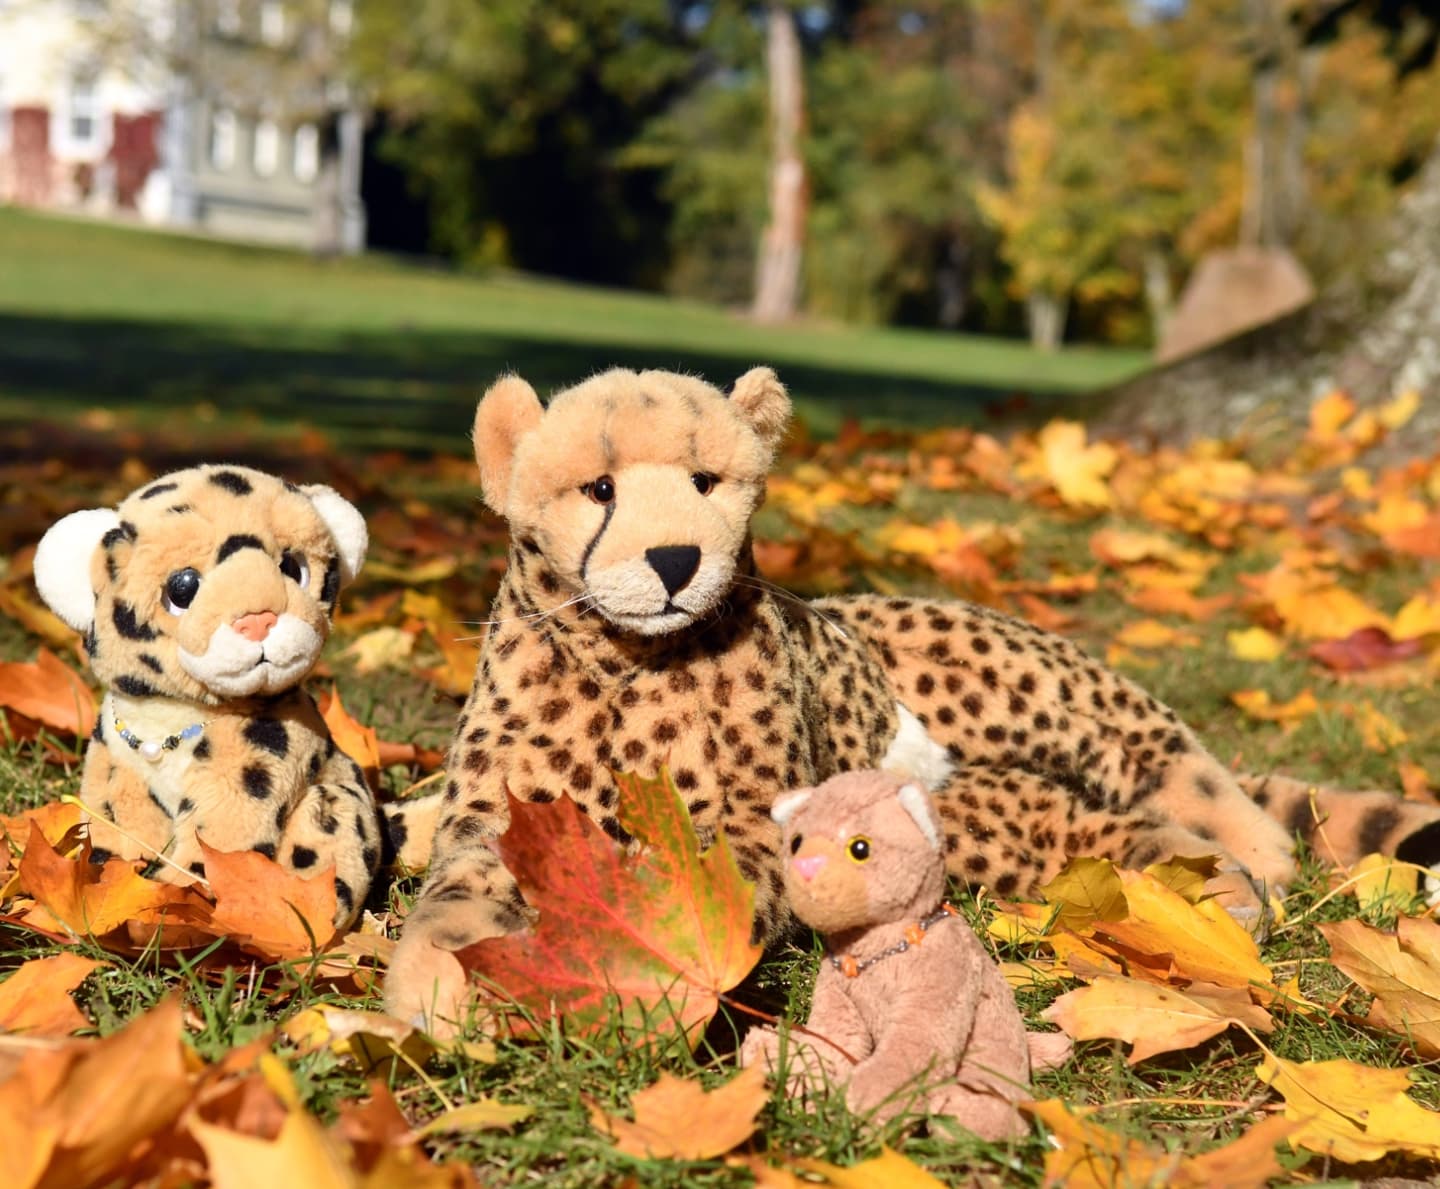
point(188, 116)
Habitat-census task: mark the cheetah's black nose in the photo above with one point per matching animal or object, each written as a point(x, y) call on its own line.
point(676, 565)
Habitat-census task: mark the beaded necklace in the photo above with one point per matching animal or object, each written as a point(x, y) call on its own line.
point(152, 750)
point(914, 935)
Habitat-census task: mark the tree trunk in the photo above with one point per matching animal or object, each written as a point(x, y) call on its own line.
point(1045, 313)
point(1374, 337)
point(1159, 290)
point(777, 272)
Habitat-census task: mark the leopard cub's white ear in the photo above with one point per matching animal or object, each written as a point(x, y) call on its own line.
point(346, 525)
point(62, 564)
point(784, 808)
point(916, 802)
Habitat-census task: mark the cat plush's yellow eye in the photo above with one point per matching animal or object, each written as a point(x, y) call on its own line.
point(858, 848)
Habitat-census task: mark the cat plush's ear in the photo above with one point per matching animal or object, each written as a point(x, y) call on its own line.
point(784, 808)
point(916, 802)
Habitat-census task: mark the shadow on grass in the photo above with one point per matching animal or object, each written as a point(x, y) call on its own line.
point(406, 389)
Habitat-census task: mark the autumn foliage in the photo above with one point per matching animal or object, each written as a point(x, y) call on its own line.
point(1289, 606)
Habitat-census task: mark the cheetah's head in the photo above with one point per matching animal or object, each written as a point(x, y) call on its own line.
point(210, 583)
point(862, 849)
point(635, 489)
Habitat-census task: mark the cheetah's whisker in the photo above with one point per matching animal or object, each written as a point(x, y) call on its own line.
point(536, 615)
point(756, 582)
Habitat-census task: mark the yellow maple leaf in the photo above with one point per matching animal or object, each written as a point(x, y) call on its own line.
point(1152, 634)
point(889, 1169)
point(1420, 616)
point(1077, 471)
point(1257, 704)
point(1395, 413)
point(1382, 884)
point(1153, 1018)
point(381, 648)
point(678, 1119)
point(1351, 1112)
point(1255, 644)
point(1328, 414)
point(1378, 730)
point(1401, 969)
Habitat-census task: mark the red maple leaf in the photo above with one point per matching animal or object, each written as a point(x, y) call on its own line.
point(659, 924)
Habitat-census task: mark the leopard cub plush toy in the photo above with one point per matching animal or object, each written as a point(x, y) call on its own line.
point(205, 599)
point(909, 1013)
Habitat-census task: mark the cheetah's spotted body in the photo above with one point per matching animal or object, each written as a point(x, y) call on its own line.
point(630, 630)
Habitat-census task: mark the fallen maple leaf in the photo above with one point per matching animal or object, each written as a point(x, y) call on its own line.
point(480, 1114)
point(1415, 781)
point(268, 910)
point(1086, 1155)
point(889, 1169)
point(1169, 600)
point(1378, 731)
point(1351, 1112)
point(1255, 644)
point(357, 741)
point(302, 1154)
point(1152, 1018)
point(1078, 471)
point(1151, 633)
point(48, 691)
point(670, 923)
point(1257, 704)
point(55, 819)
point(35, 998)
point(1363, 649)
point(678, 1119)
point(1086, 890)
point(1402, 971)
point(96, 899)
point(72, 1116)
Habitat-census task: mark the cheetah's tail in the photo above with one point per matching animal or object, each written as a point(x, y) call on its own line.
point(409, 829)
point(1342, 826)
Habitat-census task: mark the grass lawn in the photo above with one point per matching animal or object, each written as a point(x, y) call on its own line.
point(393, 353)
point(161, 331)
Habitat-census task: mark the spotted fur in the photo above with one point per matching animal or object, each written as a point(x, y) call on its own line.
point(205, 599)
point(631, 630)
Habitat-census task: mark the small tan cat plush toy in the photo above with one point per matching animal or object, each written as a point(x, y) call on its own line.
point(906, 989)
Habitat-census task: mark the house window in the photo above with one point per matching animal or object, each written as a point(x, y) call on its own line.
point(265, 150)
point(84, 110)
point(305, 153)
point(272, 22)
point(227, 18)
point(223, 134)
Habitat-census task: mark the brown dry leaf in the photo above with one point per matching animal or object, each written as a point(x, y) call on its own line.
point(358, 742)
point(678, 1119)
point(72, 1116)
point(1153, 1019)
point(1402, 971)
point(268, 910)
point(1351, 1112)
point(373, 1039)
point(96, 899)
point(50, 692)
point(35, 999)
point(1363, 650)
point(1257, 704)
point(55, 819)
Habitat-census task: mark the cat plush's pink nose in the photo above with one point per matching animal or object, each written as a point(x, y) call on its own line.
point(808, 865)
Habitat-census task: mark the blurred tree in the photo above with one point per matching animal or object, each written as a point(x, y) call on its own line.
point(511, 115)
point(781, 251)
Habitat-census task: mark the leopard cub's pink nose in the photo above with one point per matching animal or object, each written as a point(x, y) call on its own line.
point(255, 626)
point(808, 865)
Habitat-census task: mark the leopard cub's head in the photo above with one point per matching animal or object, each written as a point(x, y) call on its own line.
point(631, 494)
point(862, 849)
point(206, 584)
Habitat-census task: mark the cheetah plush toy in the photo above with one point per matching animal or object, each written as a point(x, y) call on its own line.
point(205, 599)
point(907, 993)
point(631, 629)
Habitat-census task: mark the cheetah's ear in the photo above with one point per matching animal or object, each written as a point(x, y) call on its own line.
point(507, 412)
point(784, 808)
point(62, 564)
point(346, 525)
point(763, 402)
point(914, 801)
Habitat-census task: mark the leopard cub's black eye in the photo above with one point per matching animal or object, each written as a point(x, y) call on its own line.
point(601, 490)
point(180, 590)
point(795, 844)
point(296, 568)
point(704, 483)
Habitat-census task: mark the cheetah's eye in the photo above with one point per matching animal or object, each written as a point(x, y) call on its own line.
point(704, 483)
point(296, 568)
point(858, 848)
point(601, 490)
point(795, 844)
point(180, 590)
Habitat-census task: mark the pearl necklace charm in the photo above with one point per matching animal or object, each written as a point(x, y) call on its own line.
point(151, 750)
